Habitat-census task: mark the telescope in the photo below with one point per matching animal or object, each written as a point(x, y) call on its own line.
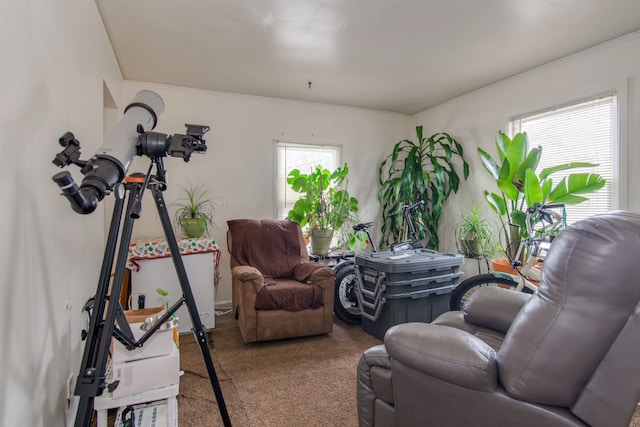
point(132, 136)
point(105, 172)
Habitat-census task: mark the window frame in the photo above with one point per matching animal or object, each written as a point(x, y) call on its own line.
point(278, 144)
point(617, 147)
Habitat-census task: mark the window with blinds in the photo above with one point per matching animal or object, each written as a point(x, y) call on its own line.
point(305, 157)
point(581, 132)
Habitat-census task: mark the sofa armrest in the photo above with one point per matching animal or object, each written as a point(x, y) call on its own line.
point(444, 353)
point(324, 277)
point(246, 274)
point(494, 308)
point(374, 382)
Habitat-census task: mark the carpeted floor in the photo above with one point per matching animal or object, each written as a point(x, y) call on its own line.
point(297, 382)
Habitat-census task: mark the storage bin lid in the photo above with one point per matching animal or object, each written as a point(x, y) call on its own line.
point(414, 260)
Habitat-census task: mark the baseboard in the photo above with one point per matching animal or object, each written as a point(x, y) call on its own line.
point(223, 305)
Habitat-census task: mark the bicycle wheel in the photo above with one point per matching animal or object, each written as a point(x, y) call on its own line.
point(345, 302)
point(469, 286)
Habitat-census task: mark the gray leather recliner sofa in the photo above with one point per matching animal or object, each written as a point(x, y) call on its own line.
point(568, 355)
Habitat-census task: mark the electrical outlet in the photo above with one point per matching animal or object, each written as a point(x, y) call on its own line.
point(69, 391)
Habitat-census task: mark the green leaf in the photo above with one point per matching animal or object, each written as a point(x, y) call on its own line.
point(293, 175)
point(567, 190)
point(505, 182)
point(520, 145)
point(456, 144)
point(489, 164)
point(517, 151)
point(566, 166)
point(546, 189)
point(519, 218)
point(496, 202)
point(447, 150)
point(532, 188)
point(530, 163)
point(502, 144)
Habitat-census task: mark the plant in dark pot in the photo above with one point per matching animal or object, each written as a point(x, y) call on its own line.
point(520, 185)
point(195, 211)
point(474, 234)
point(423, 170)
point(325, 204)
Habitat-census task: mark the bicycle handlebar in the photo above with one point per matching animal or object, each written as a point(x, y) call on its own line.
point(544, 214)
point(542, 208)
point(407, 208)
point(414, 207)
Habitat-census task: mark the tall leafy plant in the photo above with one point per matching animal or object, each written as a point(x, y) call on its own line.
point(422, 170)
point(325, 202)
point(521, 186)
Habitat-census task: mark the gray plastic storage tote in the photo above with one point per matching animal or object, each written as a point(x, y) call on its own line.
point(404, 286)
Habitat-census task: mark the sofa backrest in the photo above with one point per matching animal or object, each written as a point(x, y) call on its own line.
point(275, 247)
point(581, 319)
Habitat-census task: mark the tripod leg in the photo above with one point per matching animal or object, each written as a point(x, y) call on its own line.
point(91, 378)
point(198, 327)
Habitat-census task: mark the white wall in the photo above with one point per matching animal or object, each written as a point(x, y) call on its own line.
point(55, 56)
point(475, 117)
point(239, 164)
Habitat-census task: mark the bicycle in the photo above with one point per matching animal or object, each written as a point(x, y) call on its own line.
point(345, 303)
point(543, 224)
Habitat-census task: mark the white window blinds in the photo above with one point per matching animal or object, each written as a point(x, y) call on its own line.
point(582, 132)
point(305, 157)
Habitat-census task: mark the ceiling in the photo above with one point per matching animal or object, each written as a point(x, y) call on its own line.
point(392, 55)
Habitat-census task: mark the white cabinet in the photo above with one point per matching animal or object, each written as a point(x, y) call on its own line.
point(159, 273)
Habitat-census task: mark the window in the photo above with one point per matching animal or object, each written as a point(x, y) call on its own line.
point(292, 155)
point(582, 132)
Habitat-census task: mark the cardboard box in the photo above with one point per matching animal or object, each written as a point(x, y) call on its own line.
point(145, 374)
point(161, 343)
point(140, 315)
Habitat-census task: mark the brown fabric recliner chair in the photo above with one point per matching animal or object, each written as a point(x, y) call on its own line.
point(568, 355)
point(276, 292)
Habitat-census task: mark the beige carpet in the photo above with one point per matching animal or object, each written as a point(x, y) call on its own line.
point(297, 382)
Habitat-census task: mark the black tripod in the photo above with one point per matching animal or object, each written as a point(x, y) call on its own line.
point(106, 309)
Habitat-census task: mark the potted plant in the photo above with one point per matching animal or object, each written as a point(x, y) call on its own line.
point(521, 186)
point(195, 211)
point(423, 170)
point(325, 205)
point(474, 234)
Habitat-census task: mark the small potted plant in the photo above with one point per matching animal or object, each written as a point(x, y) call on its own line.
point(195, 211)
point(474, 234)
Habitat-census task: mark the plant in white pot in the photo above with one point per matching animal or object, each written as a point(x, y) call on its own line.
point(325, 204)
point(195, 211)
